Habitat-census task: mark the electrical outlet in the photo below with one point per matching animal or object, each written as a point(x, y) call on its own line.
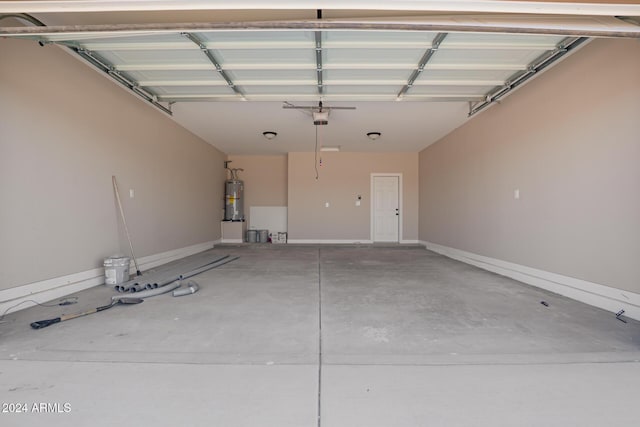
point(516, 193)
point(357, 202)
point(326, 204)
point(131, 193)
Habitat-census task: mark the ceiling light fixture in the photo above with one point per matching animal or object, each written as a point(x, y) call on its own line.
point(269, 134)
point(374, 135)
point(330, 148)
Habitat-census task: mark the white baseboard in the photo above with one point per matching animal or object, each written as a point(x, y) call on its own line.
point(343, 242)
point(152, 261)
point(232, 241)
point(328, 242)
point(17, 298)
point(601, 296)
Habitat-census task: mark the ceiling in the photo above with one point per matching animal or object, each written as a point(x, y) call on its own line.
point(412, 85)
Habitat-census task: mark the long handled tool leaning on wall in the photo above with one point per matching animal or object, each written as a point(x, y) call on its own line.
point(124, 222)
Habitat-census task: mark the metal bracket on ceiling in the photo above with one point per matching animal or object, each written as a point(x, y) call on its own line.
point(320, 83)
point(471, 104)
point(539, 64)
point(318, 49)
point(95, 60)
point(203, 47)
point(109, 69)
point(426, 57)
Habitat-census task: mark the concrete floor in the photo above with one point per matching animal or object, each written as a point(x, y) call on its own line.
point(361, 335)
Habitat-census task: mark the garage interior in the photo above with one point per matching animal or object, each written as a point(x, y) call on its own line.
point(457, 181)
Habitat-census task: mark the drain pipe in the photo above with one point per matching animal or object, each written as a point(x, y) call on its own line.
point(156, 279)
point(192, 273)
point(192, 288)
point(162, 284)
point(205, 268)
point(152, 292)
point(195, 272)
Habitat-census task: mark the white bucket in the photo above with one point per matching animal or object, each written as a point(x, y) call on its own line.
point(116, 270)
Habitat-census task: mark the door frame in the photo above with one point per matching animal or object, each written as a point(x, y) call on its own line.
point(372, 206)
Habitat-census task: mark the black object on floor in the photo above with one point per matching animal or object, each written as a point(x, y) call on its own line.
point(44, 323)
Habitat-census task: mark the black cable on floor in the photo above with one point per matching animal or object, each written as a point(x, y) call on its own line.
point(61, 302)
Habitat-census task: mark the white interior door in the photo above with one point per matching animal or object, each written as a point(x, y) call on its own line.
point(386, 209)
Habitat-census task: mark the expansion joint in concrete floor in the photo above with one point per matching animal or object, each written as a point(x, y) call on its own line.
point(319, 337)
point(405, 337)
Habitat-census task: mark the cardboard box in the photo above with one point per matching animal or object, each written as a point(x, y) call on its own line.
point(279, 238)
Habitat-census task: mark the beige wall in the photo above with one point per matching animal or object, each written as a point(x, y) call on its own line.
point(342, 177)
point(265, 180)
point(570, 142)
point(64, 131)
